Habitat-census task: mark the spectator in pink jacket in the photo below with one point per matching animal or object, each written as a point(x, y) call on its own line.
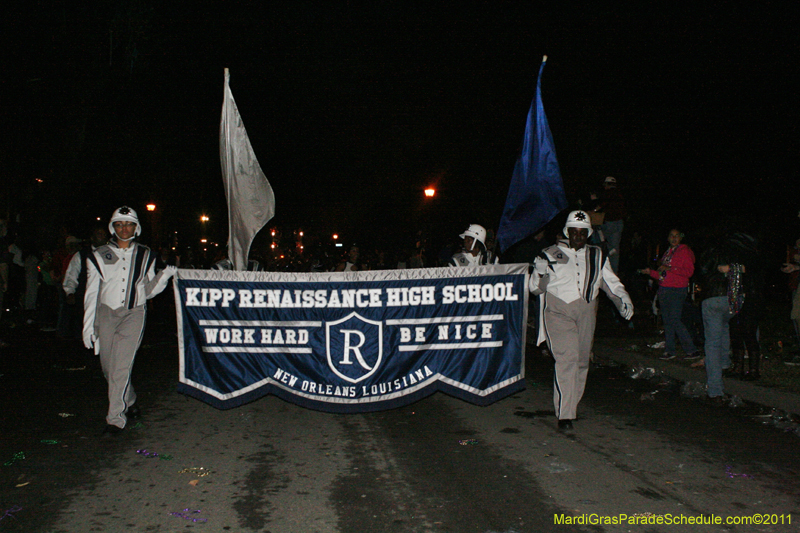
point(675, 268)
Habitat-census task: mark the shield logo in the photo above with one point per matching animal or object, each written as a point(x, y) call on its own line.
point(355, 347)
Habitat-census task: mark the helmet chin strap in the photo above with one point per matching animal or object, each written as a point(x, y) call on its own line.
point(125, 240)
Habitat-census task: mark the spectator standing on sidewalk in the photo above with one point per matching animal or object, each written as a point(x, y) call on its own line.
point(722, 300)
point(792, 267)
point(612, 203)
point(67, 324)
point(746, 286)
point(673, 273)
point(31, 282)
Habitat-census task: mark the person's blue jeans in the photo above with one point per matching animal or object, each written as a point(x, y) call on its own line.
point(613, 233)
point(716, 314)
point(672, 300)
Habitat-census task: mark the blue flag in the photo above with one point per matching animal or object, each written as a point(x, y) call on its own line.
point(536, 193)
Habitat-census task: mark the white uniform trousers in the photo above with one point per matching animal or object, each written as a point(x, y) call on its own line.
point(119, 333)
point(570, 332)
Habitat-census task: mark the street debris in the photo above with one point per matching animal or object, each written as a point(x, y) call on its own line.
point(185, 514)
point(658, 345)
point(641, 372)
point(468, 442)
point(65, 415)
point(199, 472)
point(19, 456)
point(152, 455)
point(149, 455)
point(728, 470)
point(559, 468)
point(693, 389)
point(9, 513)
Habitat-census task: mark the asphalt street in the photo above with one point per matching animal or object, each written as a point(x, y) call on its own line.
point(640, 448)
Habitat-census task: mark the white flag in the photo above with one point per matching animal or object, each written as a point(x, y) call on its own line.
point(251, 202)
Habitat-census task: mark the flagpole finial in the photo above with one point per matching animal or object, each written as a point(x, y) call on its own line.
point(544, 59)
point(227, 75)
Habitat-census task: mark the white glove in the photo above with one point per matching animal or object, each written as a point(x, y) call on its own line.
point(540, 265)
point(170, 271)
point(90, 341)
point(627, 310)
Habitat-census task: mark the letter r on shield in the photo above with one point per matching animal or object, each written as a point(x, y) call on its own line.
point(354, 347)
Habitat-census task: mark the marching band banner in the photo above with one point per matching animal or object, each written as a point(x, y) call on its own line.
point(352, 341)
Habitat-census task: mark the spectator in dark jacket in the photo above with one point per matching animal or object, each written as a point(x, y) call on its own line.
point(725, 270)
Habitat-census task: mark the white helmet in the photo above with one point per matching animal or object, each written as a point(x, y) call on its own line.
point(578, 219)
point(477, 232)
point(125, 214)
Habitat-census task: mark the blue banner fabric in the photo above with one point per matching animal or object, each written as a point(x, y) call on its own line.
point(536, 193)
point(352, 341)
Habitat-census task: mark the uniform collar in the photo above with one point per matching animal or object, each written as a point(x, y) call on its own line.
point(113, 245)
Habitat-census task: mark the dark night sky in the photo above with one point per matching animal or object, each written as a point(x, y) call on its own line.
point(353, 107)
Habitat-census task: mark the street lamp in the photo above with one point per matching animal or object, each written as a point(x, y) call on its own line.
point(151, 207)
point(203, 218)
point(430, 192)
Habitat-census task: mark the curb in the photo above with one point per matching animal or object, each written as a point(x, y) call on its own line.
point(747, 391)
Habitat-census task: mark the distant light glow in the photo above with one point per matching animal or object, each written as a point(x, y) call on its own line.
point(151, 207)
point(203, 240)
point(203, 218)
point(335, 237)
point(430, 192)
point(339, 245)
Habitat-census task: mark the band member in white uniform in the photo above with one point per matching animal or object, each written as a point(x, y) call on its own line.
point(568, 277)
point(473, 249)
point(121, 277)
